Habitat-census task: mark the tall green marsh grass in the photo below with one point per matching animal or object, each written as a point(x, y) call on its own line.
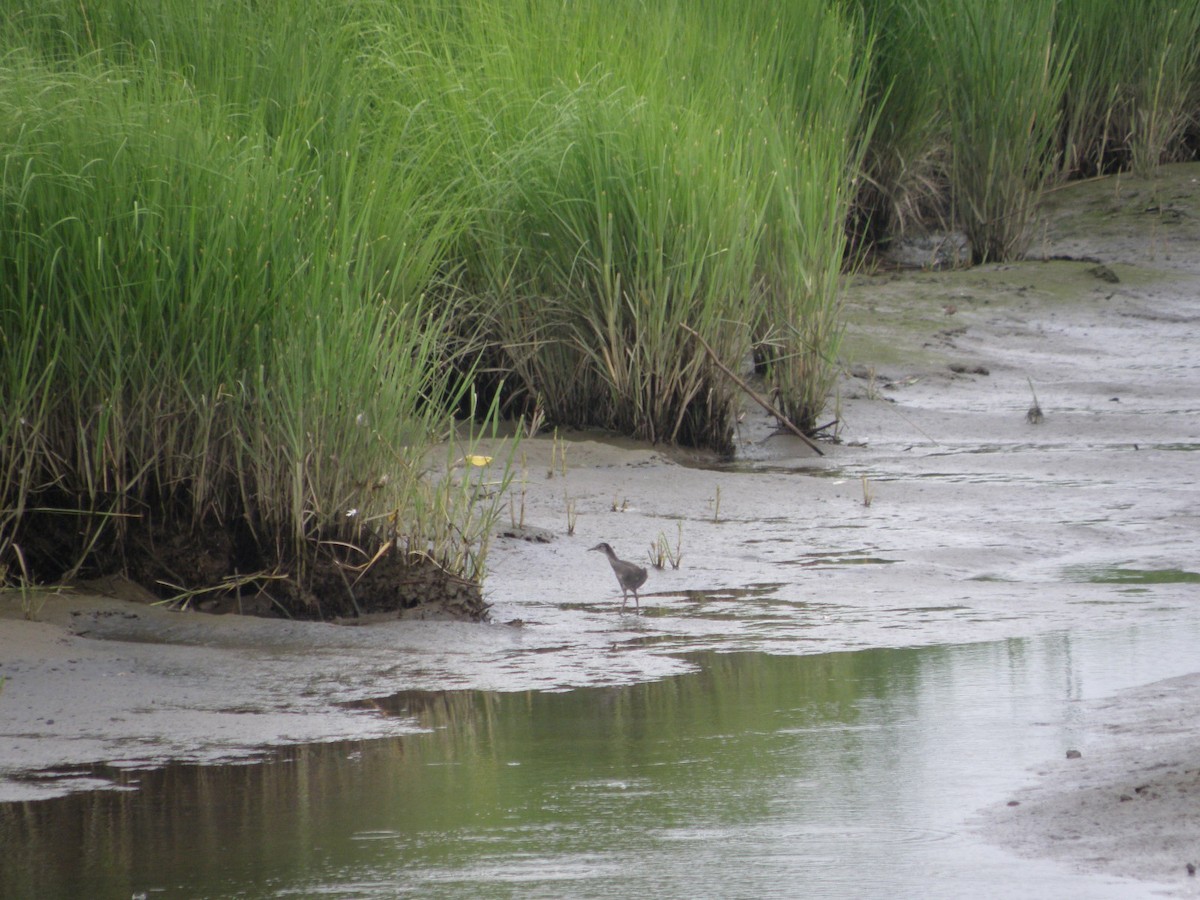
point(1002, 71)
point(1133, 93)
point(214, 305)
point(978, 105)
point(902, 184)
point(647, 166)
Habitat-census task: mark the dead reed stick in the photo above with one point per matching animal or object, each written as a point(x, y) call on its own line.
point(761, 401)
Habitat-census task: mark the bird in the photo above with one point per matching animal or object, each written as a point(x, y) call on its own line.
point(629, 576)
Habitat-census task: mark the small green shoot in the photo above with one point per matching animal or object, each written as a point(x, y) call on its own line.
point(661, 551)
point(558, 453)
point(572, 514)
point(658, 555)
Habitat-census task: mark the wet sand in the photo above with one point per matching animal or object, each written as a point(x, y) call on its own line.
point(981, 526)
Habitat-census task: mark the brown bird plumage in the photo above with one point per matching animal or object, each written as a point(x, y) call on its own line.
point(629, 576)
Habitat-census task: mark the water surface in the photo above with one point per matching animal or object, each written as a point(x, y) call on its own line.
point(835, 775)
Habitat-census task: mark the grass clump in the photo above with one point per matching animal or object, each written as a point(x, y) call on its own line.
point(642, 168)
point(902, 186)
point(215, 304)
point(1002, 73)
point(977, 105)
point(1133, 92)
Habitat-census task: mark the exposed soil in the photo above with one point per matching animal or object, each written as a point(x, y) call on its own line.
point(218, 569)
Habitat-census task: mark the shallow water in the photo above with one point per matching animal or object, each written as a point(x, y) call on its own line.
point(835, 775)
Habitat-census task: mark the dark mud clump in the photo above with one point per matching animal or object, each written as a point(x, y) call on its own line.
point(406, 587)
point(342, 584)
point(223, 569)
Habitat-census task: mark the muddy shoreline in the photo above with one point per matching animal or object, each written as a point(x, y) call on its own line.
point(981, 526)
point(1125, 801)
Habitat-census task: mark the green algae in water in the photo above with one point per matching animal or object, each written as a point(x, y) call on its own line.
point(1119, 575)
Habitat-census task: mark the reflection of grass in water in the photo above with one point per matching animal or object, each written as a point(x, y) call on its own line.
point(1118, 575)
point(851, 559)
point(752, 591)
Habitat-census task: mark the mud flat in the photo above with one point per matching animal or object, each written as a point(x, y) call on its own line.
point(1129, 803)
point(941, 515)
